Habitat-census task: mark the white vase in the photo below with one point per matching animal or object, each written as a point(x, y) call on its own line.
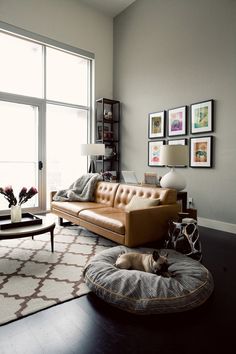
point(16, 213)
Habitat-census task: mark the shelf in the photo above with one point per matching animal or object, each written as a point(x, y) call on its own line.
point(106, 141)
point(104, 120)
point(107, 100)
point(108, 133)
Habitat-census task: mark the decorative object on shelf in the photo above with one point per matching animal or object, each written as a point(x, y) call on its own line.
point(150, 178)
point(129, 177)
point(154, 152)
point(173, 156)
point(92, 150)
point(202, 117)
point(107, 120)
point(107, 176)
point(156, 125)
point(201, 151)
point(15, 206)
point(184, 237)
point(109, 152)
point(177, 121)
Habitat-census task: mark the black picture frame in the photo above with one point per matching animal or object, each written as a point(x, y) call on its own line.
point(156, 125)
point(154, 153)
point(202, 117)
point(183, 141)
point(177, 121)
point(201, 152)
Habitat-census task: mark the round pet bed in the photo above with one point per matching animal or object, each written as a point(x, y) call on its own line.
point(190, 285)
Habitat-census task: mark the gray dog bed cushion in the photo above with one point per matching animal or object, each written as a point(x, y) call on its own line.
point(146, 293)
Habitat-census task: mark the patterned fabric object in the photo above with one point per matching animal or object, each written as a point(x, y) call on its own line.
point(184, 237)
point(33, 278)
point(81, 190)
point(190, 285)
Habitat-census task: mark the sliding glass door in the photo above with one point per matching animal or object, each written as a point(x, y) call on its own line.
point(19, 152)
point(66, 130)
point(45, 112)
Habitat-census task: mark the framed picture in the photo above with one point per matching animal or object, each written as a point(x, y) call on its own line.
point(156, 125)
point(202, 117)
point(154, 152)
point(201, 151)
point(150, 178)
point(177, 142)
point(177, 121)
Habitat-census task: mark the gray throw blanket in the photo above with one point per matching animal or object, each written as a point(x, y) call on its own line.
point(82, 190)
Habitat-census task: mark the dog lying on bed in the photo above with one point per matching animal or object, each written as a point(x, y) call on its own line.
point(151, 263)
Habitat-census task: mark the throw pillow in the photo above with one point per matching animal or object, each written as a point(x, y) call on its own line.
point(141, 203)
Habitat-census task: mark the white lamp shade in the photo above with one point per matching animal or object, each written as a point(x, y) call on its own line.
point(174, 155)
point(92, 149)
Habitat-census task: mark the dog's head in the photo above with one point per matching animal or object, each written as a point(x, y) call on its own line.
point(160, 262)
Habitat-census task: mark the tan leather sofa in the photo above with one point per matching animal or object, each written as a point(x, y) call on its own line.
point(108, 217)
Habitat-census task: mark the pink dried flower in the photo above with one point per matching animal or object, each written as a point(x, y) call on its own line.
point(27, 195)
point(23, 195)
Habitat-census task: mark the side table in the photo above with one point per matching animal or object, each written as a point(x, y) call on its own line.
point(182, 196)
point(184, 237)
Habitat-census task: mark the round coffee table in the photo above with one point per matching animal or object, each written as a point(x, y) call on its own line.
point(31, 230)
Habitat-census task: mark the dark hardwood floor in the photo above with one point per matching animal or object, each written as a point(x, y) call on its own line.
point(87, 325)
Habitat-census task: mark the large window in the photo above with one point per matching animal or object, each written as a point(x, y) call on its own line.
point(21, 69)
point(45, 98)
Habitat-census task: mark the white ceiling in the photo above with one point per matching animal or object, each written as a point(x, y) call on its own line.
point(109, 7)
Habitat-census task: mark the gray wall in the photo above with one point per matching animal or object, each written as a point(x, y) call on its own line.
point(169, 53)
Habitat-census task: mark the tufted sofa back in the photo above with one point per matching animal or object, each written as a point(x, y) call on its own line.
point(125, 192)
point(119, 195)
point(105, 193)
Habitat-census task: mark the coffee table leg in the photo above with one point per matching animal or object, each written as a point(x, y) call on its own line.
point(52, 238)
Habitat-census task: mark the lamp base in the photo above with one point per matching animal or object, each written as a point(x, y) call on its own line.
point(92, 168)
point(173, 180)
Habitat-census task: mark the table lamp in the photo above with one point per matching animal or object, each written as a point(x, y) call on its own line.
point(172, 156)
point(92, 150)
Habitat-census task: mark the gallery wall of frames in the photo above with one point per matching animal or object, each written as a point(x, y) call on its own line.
point(185, 125)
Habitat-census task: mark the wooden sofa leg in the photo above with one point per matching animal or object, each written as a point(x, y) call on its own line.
point(63, 223)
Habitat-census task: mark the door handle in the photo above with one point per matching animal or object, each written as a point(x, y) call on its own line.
point(40, 165)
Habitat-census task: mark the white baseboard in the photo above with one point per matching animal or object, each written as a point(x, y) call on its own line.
point(217, 225)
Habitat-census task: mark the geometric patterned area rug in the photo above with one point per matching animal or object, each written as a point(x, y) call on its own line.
point(33, 278)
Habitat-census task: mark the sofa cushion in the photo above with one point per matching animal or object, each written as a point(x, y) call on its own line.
point(109, 218)
point(141, 203)
point(74, 208)
point(126, 192)
point(139, 292)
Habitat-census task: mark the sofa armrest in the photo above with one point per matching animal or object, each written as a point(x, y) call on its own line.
point(52, 193)
point(150, 224)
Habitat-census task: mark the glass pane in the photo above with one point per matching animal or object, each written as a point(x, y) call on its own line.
point(21, 66)
point(18, 175)
point(67, 77)
point(66, 131)
point(18, 149)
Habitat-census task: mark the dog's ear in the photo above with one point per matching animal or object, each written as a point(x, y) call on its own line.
point(155, 255)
